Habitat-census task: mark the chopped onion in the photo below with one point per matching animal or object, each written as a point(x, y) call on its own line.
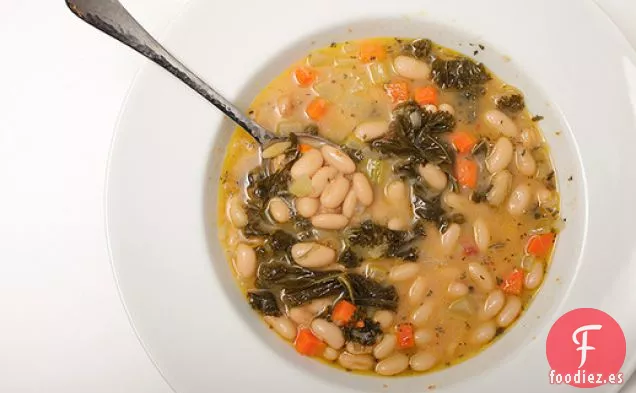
point(276, 149)
point(320, 59)
point(301, 187)
point(287, 127)
point(462, 306)
point(378, 73)
point(330, 91)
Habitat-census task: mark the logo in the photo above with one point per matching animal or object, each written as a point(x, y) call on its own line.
point(586, 348)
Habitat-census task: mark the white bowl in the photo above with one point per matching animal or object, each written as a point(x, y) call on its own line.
point(575, 69)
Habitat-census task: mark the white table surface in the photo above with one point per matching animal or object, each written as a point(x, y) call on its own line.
point(62, 325)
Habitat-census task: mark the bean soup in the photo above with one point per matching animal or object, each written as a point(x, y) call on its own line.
point(419, 236)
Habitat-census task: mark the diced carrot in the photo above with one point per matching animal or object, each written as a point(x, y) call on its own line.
point(463, 141)
point(360, 324)
point(308, 344)
point(316, 108)
point(513, 284)
point(540, 245)
point(304, 148)
point(304, 76)
point(398, 91)
point(370, 51)
point(426, 95)
point(405, 336)
point(466, 172)
point(343, 312)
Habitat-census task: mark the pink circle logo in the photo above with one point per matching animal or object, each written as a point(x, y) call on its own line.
point(585, 349)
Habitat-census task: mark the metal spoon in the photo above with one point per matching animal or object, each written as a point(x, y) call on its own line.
point(112, 18)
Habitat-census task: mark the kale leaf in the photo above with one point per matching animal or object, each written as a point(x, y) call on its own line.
point(264, 302)
point(420, 48)
point(412, 134)
point(349, 259)
point(366, 335)
point(511, 104)
point(394, 244)
point(460, 73)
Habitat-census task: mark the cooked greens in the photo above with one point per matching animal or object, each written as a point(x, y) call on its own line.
point(367, 334)
point(413, 133)
point(385, 241)
point(264, 302)
point(460, 73)
point(511, 104)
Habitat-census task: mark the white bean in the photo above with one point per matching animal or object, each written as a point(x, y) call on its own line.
point(236, 213)
point(423, 336)
point(329, 221)
point(492, 305)
point(500, 156)
point(482, 234)
point(385, 347)
point(245, 261)
point(446, 108)
point(349, 204)
point(328, 332)
point(338, 159)
point(356, 362)
point(418, 290)
point(433, 176)
point(397, 224)
point(318, 306)
point(357, 348)
point(403, 272)
point(456, 201)
point(501, 182)
point(519, 200)
point(279, 210)
point(510, 311)
point(500, 122)
point(423, 313)
point(411, 68)
point(450, 237)
point(307, 206)
point(535, 276)
point(307, 165)
point(430, 108)
point(545, 197)
point(301, 315)
point(320, 180)
point(423, 361)
point(526, 165)
point(530, 138)
point(457, 289)
point(370, 130)
point(483, 333)
point(396, 191)
point(384, 318)
point(481, 276)
point(312, 255)
point(335, 193)
point(392, 365)
point(330, 354)
point(282, 325)
point(363, 189)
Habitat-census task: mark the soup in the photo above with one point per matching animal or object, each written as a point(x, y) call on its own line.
point(419, 235)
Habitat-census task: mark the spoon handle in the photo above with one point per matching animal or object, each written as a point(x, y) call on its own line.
point(112, 18)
